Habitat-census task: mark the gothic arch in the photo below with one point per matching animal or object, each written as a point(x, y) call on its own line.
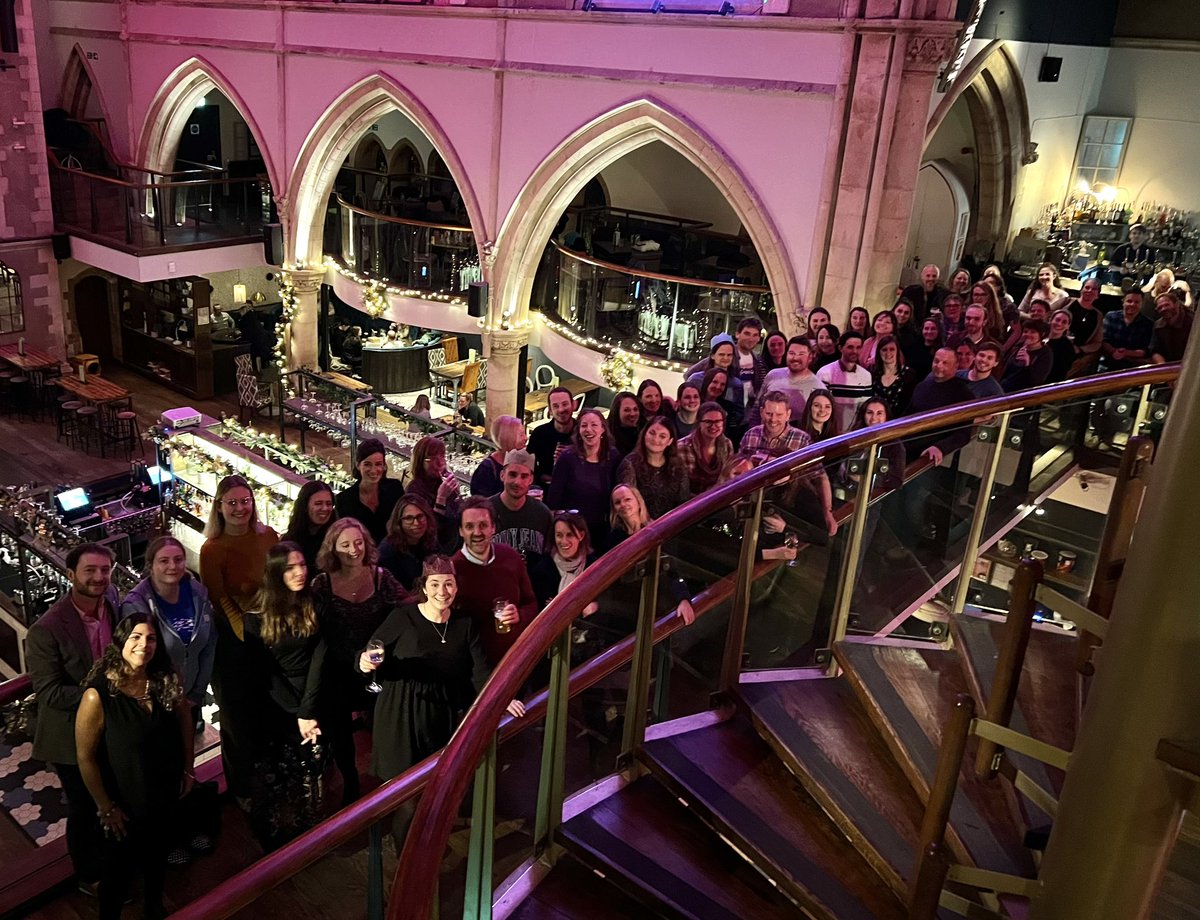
point(186, 85)
point(79, 85)
point(403, 155)
point(995, 95)
point(335, 135)
point(556, 182)
point(369, 153)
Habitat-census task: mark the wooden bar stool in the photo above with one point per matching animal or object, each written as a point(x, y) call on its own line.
point(6, 377)
point(68, 405)
point(87, 428)
point(20, 396)
point(121, 429)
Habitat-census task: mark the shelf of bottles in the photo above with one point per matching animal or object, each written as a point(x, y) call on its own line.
point(1089, 229)
point(34, 542)
point(201, 458)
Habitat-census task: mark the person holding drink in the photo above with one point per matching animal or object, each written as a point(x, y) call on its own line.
point(493, 584)
point(429, 663)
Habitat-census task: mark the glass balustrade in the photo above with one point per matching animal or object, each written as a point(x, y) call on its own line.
point(421, 255)
point(773, 590)
point(191, 208)
point(640, 310)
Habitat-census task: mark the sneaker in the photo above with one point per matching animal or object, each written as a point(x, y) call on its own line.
point(179, 857)
point(201, 843)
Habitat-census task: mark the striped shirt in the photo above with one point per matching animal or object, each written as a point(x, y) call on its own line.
point(849, 389)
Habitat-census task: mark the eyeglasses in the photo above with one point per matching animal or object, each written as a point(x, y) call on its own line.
point(411, 518)
point(236, 502)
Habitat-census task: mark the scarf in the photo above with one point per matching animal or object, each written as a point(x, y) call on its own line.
point(568, 571)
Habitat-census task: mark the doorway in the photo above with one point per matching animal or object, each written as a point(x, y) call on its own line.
point(941, 216)
point(93, 317)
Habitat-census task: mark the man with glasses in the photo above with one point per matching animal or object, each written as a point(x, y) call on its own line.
point(706, 450)
point(550, 439)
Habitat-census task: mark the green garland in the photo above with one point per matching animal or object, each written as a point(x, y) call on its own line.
point(285, 454)
point(617, 370)
point(291, 306)
point(375, 300)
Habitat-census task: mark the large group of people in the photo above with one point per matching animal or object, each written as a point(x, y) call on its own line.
point(384, 607)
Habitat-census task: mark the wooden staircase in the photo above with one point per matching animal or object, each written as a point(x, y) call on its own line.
point(805, 798)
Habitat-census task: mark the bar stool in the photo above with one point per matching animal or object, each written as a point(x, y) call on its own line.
point(6, 377)
point(68, 405)
point(122, 430)
point(87, 428)
point(20, 396)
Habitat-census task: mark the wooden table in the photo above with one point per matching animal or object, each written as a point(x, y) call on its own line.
point(452, 373)
point(348, 383)
point(97, 390)
point(539, 400)
point(32, 360)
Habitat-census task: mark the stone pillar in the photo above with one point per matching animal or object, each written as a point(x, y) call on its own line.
point(886, 109)
point(504, 367)
point(302, 339)
point(1120, 807)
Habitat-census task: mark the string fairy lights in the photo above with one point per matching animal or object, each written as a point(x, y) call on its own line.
point(279, 354)
point(605, 345)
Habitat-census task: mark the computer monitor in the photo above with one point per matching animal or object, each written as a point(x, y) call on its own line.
point(74, 503)
point(159, 475)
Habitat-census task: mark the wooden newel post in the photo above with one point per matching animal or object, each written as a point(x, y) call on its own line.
point(927, 877)
point(1010, 660)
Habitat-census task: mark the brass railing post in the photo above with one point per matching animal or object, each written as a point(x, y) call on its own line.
point(929, 874)
point(477, 896)
point(1011, 658)
point(639, 675)
point(854, 548)
point(554, 750)
point(979, 518)
point(739, 611)
point(1143, 409)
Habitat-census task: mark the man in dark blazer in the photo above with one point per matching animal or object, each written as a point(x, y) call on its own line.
point(59, 652)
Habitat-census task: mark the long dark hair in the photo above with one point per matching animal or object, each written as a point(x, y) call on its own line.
point(877, 369)
point(282, 611)
point(806, 423)
point(300, 523)
point(605, 436)
point(112, 668)
point(708, 378)
point(395, 530)
point(614, 412)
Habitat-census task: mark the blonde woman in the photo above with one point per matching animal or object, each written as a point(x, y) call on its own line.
point(508, 433)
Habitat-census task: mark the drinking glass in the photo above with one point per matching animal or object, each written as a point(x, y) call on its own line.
point(499, 605)
point(375, 656)
point(791, 539)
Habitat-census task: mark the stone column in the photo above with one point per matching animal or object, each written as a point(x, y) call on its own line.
point(1120, 807)
point(504, 366)
point(302, 339)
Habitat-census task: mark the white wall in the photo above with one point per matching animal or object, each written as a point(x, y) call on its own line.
point(657, 179)
point(953, 136)
point(1159, 87)
point(395, 127)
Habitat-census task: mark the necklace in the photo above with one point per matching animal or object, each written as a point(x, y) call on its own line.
point(441, 632)
point(145, 695)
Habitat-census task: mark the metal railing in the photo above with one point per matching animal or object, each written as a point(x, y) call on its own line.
point(445, 777)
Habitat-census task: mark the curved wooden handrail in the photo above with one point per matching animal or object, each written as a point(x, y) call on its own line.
point(243, 889)
point(342, 202)
point(145, 187)
point(417, 871)
point(15, 689)
point(658, 276)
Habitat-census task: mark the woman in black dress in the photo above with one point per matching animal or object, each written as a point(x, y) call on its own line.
point(312, 513)
point(353, 597)
point(431, 667)
point(134, 738)
point(287, 646)
point(372, 498)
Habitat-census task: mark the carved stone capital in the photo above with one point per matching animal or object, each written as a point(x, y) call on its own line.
point(305, 280)
point(487, 254)
point(926, 52)
point(507, 343)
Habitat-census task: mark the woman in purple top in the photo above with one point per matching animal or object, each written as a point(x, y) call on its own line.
point(584, 474)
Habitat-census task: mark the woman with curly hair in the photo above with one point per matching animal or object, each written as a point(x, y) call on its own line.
point(655, 467)
point(290, 651)
point(134, 738)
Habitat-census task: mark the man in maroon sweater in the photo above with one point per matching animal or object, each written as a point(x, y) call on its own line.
point(488, 572)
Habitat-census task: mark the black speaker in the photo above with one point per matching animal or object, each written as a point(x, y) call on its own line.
point(1050, 70)
point(273, 244)
point(477, 299)
point(61, 244)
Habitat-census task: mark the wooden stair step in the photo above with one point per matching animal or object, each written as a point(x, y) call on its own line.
point(646, 841)
point(909, 692)
point(733, 779)
point(823, 734)
point(1046, 695)
point(572, 891)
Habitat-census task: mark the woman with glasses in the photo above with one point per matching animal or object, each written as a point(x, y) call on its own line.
point(412, 537)
point(231, 567)
point(706, 450)
point(312, 513)
point(374, 495)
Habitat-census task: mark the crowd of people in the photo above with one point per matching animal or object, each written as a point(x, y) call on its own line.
point(382, 609)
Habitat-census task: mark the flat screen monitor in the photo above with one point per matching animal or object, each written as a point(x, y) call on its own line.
point(158, 475)
point(73, 501)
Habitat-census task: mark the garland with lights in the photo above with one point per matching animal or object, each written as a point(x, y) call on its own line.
point(617, 370)
point(285, 454)
point(291, 306)
point(374, 298)
point(603, 345)
point(432, 296)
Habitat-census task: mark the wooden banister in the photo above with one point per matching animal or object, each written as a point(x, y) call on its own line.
point(1011, 658)
point(417, 871)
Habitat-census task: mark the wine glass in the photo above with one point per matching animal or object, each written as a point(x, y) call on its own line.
point(375, 656)
point(791, 540)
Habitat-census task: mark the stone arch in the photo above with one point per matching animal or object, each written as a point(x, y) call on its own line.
point(583, 155)
point(186, 85)
point(405, 150)
point(995, 95)
point(369, 151)
point(79, 86)
point(335, 135)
